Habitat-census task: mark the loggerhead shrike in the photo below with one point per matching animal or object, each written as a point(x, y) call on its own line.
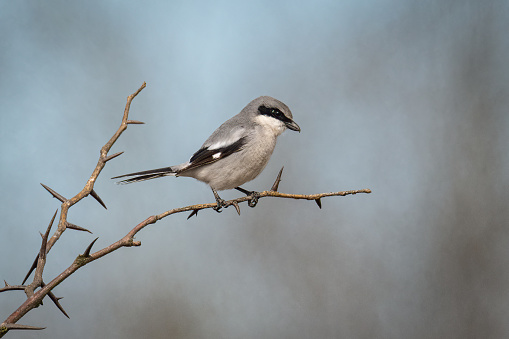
point(237, 152)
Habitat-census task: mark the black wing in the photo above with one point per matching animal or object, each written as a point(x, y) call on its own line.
point(206, 156)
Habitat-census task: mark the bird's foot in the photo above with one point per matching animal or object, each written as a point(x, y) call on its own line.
point(253, 194)
point(220, 204)
point(254, 198)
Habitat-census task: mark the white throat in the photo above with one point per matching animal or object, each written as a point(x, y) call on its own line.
point(275, 126)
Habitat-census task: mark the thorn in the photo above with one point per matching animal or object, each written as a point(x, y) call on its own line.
point(278, 180)
point(319, 202)
point(96, 197)
point(22, 327)
point(77, 228)
point(87, 251)
point(34, 265)
point(57, 303)
point(194, 212)
point(134, 122)
point(55, 300)
point(109, 157)
point(42, 253)
point(6, 284)
point(236, 205)
point(54, 194)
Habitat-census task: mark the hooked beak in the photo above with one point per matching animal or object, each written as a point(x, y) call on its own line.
point(292, 125)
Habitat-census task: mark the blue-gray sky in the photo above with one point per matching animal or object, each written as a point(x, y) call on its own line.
point(408, 98)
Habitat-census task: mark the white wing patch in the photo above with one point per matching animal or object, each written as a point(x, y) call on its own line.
point(216, 156)
point(228, 140)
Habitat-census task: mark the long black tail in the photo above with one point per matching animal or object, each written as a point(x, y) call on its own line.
point(145, 175)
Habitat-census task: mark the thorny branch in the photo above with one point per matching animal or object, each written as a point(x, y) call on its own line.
point(34, 298)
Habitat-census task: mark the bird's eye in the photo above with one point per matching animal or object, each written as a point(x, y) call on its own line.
point(276, 112)
point(272, 112)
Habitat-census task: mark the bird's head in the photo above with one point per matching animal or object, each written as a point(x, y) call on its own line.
point(272, 113)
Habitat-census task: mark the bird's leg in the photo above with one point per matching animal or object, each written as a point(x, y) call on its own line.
point(254, 196)
point(220, 202)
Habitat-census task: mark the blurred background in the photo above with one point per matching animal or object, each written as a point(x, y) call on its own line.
point(407, 98)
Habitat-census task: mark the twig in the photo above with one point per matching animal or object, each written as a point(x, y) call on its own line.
point(12, 287)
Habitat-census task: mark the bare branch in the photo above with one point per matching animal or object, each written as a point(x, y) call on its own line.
point(263, 194)
point(95, 174)
point(35, 298)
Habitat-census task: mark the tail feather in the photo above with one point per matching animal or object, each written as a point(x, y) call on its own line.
point(145, 175)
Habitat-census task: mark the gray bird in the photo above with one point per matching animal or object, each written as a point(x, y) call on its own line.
point(237, 152)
